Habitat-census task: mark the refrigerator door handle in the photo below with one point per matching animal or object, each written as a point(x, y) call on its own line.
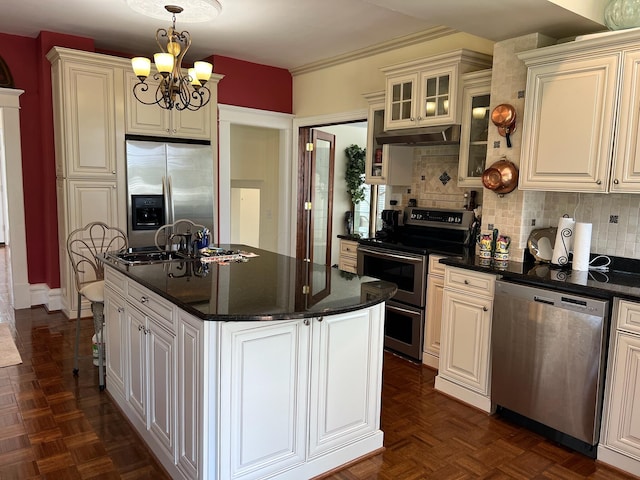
point(165, 198)
point(170, 197)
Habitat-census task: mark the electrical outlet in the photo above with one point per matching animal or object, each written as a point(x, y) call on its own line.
point(490, 226)
point(533, 222)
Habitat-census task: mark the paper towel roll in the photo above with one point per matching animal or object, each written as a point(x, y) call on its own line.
point(564, 241)
point(581, 246)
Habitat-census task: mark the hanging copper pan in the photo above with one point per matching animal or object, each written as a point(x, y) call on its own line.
point(501, 177)
point(504, 117)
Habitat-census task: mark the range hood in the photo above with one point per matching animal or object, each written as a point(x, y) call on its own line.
point(438, 135)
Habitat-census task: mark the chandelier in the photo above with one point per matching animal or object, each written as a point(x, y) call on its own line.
point(174, 90)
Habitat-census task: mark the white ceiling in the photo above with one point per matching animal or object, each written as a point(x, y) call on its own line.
point(292, 33)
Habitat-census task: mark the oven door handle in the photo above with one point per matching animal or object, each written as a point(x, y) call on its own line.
point(387, 254)
point(404, 310)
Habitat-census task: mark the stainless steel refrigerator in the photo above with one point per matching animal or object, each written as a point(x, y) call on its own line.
point(167, 182)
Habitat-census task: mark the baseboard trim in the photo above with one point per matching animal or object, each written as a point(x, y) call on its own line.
point(49, 298)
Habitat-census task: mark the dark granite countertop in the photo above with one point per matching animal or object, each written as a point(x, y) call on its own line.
point(621, 281)
point(267, 287)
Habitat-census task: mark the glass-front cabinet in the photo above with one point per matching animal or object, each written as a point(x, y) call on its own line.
point(476, 89)
point(384, 164)
point(426, 92)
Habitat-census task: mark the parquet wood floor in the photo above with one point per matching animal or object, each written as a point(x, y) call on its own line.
point(56, 426)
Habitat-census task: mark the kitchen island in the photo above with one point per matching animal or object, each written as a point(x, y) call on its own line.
point(267, 367)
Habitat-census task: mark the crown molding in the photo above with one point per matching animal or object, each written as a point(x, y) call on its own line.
point(393, 44)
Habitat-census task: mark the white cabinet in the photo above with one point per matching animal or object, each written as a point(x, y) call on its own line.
point(293, 393)
point(384, 164)
point(348, 260)
point(467, 306)
point(620, 434)
point(580, 128)
point(144, 119)
point(433, 315)
point(263, 404)
point(244, 400)
point(89, 145)
point(344, 398)
point(476, 95)
point(427, 91)
point(151, 373)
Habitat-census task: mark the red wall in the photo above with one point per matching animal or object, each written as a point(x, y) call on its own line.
point(245, 84)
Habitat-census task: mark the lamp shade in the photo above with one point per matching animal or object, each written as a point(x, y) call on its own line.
point(141, 66)
point(192, 76)
point(203, 71)
point(164, 62)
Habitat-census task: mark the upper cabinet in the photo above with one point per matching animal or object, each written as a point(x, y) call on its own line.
point(384, 164)
point(476, 94)
point(580, 128)
point(144, 119)
point(427, 91)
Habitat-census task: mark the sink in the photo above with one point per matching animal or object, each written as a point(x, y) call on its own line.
point(144, 257)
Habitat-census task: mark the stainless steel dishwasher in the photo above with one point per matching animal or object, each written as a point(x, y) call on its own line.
point(548, 360)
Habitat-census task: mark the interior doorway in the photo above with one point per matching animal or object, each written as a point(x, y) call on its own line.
point(245, 215)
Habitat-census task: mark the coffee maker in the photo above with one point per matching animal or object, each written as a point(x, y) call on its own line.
point(390, 220)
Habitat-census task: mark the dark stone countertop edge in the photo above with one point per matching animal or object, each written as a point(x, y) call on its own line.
point(238, 318)
point(624, 285)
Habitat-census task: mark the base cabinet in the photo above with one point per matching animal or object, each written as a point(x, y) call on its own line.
point(465, 350)
point(433, 315)
point(281, 400)
point(620, 433)
point(348, 260)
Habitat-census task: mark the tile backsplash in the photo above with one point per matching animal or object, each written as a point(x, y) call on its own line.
point(435, 178)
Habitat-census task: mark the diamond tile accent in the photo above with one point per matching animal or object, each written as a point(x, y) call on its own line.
point(444, 178)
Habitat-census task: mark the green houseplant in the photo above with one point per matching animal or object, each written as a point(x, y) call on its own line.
point(354, 176)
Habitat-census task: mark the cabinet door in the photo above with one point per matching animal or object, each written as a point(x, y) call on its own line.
point(89, 137)
point(466, 333)
point(154, 120)
point(192, 124)
point(144, 119)
point(136, 349)
point(263, 397)
point(622, 431)
point(626, 166)
point(190, 392)
point(375, 169)
point(115, 333)
point(345, 391)
point(91, 201)
point(476, 96)
point(433, 327)
point(437, 95)
point(400, 103)
point(161, 370)
point(568, 125)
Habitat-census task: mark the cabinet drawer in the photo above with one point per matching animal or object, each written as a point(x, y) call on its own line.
point(629, 316)
point(435, 267)
point(348, 264)
point(469, 281)
point(153, 305)
point(348, 248)
point(115, 280)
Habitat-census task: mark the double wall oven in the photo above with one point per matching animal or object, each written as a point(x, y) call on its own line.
point(400, 254)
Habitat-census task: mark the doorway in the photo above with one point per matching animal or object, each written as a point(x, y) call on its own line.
point(245, 215)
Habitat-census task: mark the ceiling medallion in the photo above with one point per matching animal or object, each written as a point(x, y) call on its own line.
point(193, 11)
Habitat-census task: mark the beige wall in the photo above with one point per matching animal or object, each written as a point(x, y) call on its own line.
point(339, 88)
point(255, 155)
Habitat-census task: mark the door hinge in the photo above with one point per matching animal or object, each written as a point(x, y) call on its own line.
point(307, 205)
point(309, 147)
point(305, 289)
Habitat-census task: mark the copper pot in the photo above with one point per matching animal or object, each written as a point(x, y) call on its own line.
point(504, 117)
point(501, 177)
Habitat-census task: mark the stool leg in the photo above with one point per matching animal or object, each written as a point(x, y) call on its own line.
point(98, 318)
point(77, 344)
